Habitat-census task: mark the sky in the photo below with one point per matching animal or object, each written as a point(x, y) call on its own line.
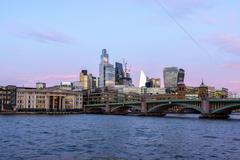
point(52, 41)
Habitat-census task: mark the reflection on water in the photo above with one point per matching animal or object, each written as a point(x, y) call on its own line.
point(118, 137)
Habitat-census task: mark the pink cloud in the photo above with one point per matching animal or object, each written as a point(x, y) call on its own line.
point(56, 77)
point(46, 36)
point(42, 35)
point(232, 65)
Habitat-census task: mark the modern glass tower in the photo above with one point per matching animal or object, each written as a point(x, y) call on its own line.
point(119, 73)
point(106, 71)
point(143, 79)
point(170, 75)
point(181, 75)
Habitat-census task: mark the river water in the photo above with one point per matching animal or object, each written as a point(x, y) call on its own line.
point(118, 137)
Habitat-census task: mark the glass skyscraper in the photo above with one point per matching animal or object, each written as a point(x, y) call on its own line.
point(170, 75)
point(119, 73)
point(106, 71)
point(181, 75)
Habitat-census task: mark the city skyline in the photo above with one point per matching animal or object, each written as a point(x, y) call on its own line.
point(38, 46)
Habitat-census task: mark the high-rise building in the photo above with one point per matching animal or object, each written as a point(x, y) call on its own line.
point(181, 75)
point(143, 79)
point(119, 73)
point(84, 79)
point(106, 71)
point(153, 83)
point(170, 75)
point(94, 83)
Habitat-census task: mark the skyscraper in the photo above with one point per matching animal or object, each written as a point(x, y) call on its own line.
point(106, 71)
point(181, 75)
point(153, 83)
point(84, 79)
point(170, 75)
point(119, 73)
point(143, 79)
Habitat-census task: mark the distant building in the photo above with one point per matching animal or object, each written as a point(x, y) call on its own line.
point(106, 71)
point(181, 76)
point(153, 83)
point(84, 79)
point(77, 86)
point(41, 85)
point(173, 76)
point(143, 79)
point(65, 86)
point(119, 73)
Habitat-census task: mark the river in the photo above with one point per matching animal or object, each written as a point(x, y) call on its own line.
point(83, 137)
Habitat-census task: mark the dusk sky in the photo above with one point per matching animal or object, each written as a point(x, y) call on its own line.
point(53, 40)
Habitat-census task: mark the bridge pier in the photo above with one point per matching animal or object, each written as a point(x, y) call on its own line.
point(144, 108)
point(107, 108)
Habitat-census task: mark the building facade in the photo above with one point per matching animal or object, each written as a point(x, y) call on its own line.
point(33, 99)
point(170, 75)
point(106, 71)
point(181, 76)
point(8, 98)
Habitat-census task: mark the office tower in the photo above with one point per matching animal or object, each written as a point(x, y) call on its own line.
point(153, 83)
point(94, 83)
point(84, 79)
point(143, 79)
point(181, 75)
point(119, 73)
point(170, 75)
point(106, 71)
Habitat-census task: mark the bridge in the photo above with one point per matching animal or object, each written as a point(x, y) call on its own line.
point(208, 108)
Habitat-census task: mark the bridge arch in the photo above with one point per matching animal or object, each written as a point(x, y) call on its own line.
point(125, 107)
point(164, 107)
point(96, 110)
point(226, 109)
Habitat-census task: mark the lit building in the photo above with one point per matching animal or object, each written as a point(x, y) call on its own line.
point(84, 78)
point(153, 83)
point(49, 99)
point(106, 71)
point(143, 79)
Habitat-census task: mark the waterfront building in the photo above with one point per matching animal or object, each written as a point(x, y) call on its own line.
point(170, 75)
point(106, 71)
point(49, 99)
point(100, 97)
point(7, 98)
